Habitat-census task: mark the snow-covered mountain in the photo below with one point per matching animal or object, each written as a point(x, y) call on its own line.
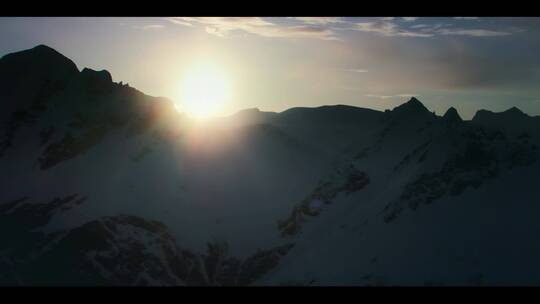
point(103, 185)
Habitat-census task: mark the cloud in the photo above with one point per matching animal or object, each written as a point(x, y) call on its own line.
point(392, 29)
point(391, 96)
point(386, 28)
point(149, 27)
point(409, 19)
point(357, 70)
point(186, 21)
point(327, 28)
point(473, 32)
point(466, 18)
point(448, 64)
point(407, 95)
point(319, 20)
point(379, 96)
point(223, 26)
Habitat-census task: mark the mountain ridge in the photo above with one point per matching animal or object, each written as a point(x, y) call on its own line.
point(104, 185)
point(41, 51)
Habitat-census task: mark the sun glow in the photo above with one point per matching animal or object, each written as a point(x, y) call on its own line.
point(205, 91)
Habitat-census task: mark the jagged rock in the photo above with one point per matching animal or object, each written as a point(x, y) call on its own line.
point(452, 115)
point(39, 63)
point(483, 116)
point(512, 121)
point(127, 250)
point(412, 107)
point(349, 181)
point(100, 81)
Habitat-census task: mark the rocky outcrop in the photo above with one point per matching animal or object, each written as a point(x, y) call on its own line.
point(350, 180)
point(452, 116)
point(118, 250)
point(483, 156)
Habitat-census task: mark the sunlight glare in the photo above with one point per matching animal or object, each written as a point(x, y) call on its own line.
point(205, 91)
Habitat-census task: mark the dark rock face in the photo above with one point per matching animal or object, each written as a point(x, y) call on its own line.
point(96, 82)
point(40, 87)
point(329, 115)
point(20, 221)
point(353, 180)
point(488, 118)
point(28, 77)
point(452, 116)
point(412, 116)
point(514, 111)
point(32, 215)
point(484, 156)
point(419, 154)
point(257, 265)
point(230, 271)
point(513, 122)
point(411, 108)
point(120, 250)
point(39, 63)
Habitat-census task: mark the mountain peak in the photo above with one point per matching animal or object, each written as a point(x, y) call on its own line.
point(39, 61)
point(40, 54)
point(514, 111)
point(413, 103)
point(412, 106)
point(102, 75)
point(452, 115)
point(249, 110)
point(38, 50)
point(44, 48)
point(414, 100)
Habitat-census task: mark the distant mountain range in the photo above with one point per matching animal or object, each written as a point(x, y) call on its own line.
point(104, 185)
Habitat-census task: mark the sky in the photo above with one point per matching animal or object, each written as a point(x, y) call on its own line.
point(275, 63)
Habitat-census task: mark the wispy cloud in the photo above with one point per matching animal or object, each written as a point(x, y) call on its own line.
point(466, 18)
point(410, 19)
point(393, 29)
point(149, 27)
point(223, 26)
point(327, 28)
point(391, 96)
point(407, 95)
point(186, 21)
point(473, 32)
point(379, 96)
point(386, 28)
point(357, 70)
point(320, 20)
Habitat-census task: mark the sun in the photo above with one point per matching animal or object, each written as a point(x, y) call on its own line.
point(204, 91)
